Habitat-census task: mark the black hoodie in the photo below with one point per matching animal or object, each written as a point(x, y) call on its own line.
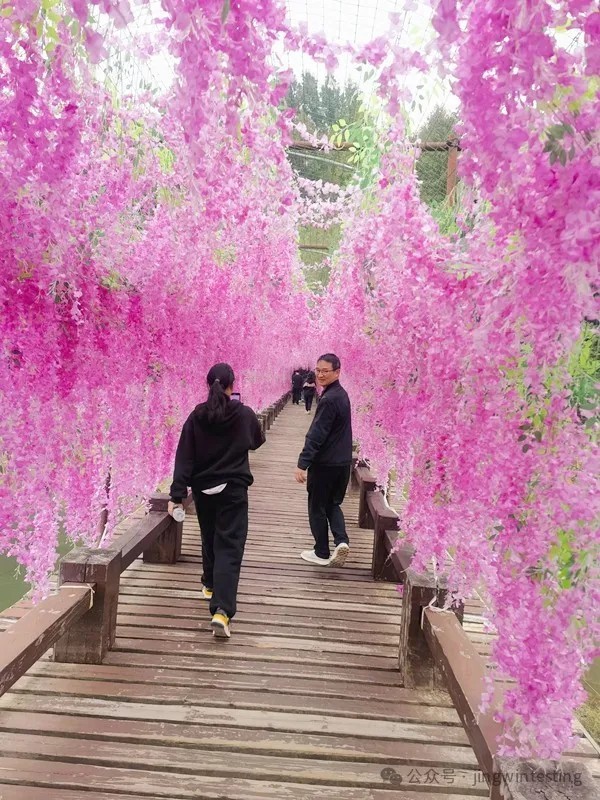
point(208, 455)
point(329, 438)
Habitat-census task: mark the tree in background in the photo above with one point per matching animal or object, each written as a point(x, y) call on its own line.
point(319, 107)
point(432, 167)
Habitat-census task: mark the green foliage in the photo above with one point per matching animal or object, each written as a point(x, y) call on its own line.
point(567, 568)
point(445, 216)
point(554, 143)
point(364, 145)
point(329, 167)
point(584, 368)
point(318, 107)
point(432, 168)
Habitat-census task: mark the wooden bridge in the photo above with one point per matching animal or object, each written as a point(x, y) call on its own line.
point(333, 685)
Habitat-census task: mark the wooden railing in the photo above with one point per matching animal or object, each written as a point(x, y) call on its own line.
point(435, 651)
point(27, 640)
point(80, 619)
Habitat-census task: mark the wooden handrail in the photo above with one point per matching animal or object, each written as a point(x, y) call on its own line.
point(435, 651)
point(82, 631)
point(140, 536)
point(29, 638)
point(464, 672)
point(449, 144)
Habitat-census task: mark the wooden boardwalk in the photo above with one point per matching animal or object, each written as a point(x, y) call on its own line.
point(303, 702)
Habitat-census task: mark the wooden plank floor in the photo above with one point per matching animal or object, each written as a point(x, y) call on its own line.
point(303, 702)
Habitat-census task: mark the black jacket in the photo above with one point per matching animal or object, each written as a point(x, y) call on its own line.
point(329, 438)
point(297, 380)
point(208, 455)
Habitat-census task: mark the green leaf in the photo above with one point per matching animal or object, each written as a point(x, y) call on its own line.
point(343, 123)
point(556, 131)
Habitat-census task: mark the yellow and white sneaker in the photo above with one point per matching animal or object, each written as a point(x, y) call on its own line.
point(220, 625)
point(207, 593)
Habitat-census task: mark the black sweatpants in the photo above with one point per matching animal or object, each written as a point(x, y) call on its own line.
point(296, 396)
point(309, 396)
point(223, 522)
point(326, 491)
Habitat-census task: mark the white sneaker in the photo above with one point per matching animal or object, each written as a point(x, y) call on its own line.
point(313, 558)
point(339, 555)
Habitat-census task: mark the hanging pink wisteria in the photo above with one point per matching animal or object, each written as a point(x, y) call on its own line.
point(144, 238)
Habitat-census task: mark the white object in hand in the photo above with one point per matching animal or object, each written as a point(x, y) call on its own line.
point(178, 514)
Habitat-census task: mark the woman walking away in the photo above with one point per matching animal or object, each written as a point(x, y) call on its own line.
point(310, 387)
point(212, 458)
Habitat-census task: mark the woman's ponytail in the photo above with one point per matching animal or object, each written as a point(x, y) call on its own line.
point(220, 377)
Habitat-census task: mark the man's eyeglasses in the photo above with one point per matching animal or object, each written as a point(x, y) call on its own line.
point(323, 371)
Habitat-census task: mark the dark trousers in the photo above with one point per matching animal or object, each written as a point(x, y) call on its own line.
point(326, 490)
point(308, 399)
point(223, 522)
point(296, 396)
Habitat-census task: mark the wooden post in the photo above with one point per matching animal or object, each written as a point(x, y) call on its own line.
point(166, 549)
point(356, 462)
point(451, 175)
point(515, 779)
point(415, 661)
point(103, 521)
point(384, 519)
point(88, 639)
point(366, 483)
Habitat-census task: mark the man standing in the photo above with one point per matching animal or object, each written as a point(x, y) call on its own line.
point(324, 465)
point(297, 381)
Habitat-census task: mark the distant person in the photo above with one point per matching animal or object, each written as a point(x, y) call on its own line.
point(309, 389)
point(297, 381)
point(212, 458)
point(324, 465)
point(305, 374)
